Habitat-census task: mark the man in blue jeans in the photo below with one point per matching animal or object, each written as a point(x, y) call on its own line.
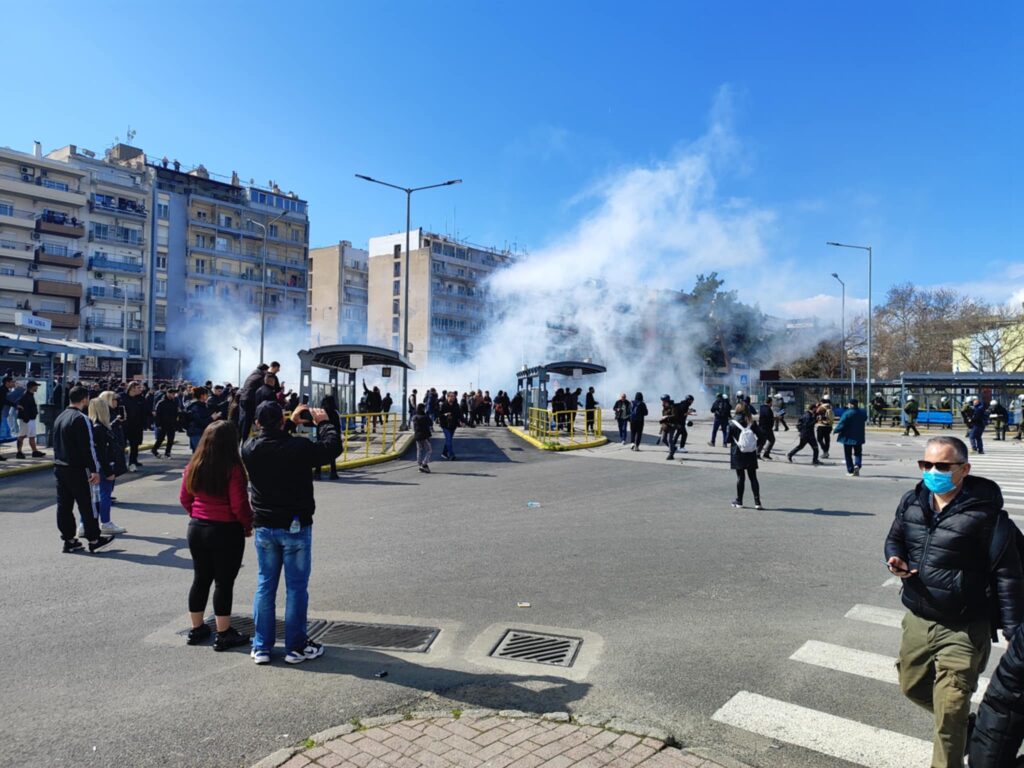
point(449, 418)
point(280, 468)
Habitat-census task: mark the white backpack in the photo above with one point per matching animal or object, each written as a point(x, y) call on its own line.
point(747, 441)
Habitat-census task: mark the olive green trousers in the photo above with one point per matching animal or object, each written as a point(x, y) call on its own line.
point(939, 665)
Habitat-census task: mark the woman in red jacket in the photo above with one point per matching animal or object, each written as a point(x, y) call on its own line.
point(215, 495)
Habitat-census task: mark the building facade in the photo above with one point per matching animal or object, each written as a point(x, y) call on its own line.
point(339, 285)
point(43, 206)
point(999, 349)
point(447, 294)
point(209, 239)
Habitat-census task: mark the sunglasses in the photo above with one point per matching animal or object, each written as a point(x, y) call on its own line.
point(942, 466)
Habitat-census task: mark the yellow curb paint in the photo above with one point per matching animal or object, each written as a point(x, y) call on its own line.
point(545, 447)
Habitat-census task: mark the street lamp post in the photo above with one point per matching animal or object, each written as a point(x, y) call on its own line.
point(263, 277)
point(239, 365)
point(842, 330)
point(405, 299)
point(870, 308)
point(124, 333)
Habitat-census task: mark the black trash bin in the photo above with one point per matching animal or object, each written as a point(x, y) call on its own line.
point(48, 415)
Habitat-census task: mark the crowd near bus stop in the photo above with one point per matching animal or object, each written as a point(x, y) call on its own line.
point(554, 396)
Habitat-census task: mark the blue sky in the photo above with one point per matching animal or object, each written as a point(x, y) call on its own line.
point(897, 125)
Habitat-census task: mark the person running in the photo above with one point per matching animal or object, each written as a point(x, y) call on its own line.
point(766, 423)
point(214, 494)
point(851, 432)
point(28, 412)
point(824, 421)
point(805, 428)
point(742, 437)
point(76, 469)
point(280, 466)
point(681, 413)
point(621, 410)
point(421, 426)
point(637, 414)
point(450, 417)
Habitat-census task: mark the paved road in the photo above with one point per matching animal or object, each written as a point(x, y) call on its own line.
point(690, 610)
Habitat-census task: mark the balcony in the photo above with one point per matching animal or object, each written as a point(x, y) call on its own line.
point(60, 319)
point(59, 257)
point(51, 287)
point(17, 283)
point(11, 217)
point(118, 324)
point(59, 224)
point(116, 263)
point(12, 249)
point(119, 207)
point(39, 187)
point(115, 294)
point(123, 242)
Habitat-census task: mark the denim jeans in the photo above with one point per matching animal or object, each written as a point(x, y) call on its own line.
point(852, 453)
point(623, 425)
point(720, 425)
point(449, 449)
point(106, 491)
point(976, 441)
point(193, 441)
point(275, 547)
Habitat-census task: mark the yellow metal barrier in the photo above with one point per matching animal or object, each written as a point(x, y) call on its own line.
point(367, 434)
point(564, 428)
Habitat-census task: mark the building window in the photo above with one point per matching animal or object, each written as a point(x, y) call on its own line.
point(161, 288)
point(395, 306)
point(394, 324)
point(6, 209)
point(221, 244)
point(159, 341)
point(200, 241)
point(161, 234)
point(273, 230)
point(435, 247)
point(398, 250)
point(101, 231)
point(161, 261)
point(163, 211)
point(398, 269)
point(161, 314)
point(394, 341)
point(201, 266)
point(225, 220)
point(296, 235)
point(397, 290)
point(59, 185)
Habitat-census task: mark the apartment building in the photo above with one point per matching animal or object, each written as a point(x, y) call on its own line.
point(209, 235)
point(447, 294)
point(42, 241)
point(339, 286)
point(115, 305)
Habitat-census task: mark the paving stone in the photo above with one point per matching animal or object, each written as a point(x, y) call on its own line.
point(455, 741)
point(580, 751)
point(276, 759)
point(342, 748)
point(461, 729)
point(372, 747)
point(404, 731)
point(330, 760)
point(373, 722)
point(513, 713)
point(561, 717)
point(487, 738)
point(298, 761)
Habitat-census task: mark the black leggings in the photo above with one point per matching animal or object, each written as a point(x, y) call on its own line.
point(636, 429)
point(741, 483)
point(216, 557)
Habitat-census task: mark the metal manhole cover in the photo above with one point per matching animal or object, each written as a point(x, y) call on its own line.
point(537, 647)
point(383, 637)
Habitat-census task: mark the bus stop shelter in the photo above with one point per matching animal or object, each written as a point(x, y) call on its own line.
point(341, 361)
point(930, 388)
point(532, 383)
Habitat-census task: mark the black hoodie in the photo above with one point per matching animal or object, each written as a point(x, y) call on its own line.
point(951, 550)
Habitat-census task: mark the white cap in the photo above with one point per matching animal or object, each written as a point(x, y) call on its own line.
point(910, 397)
point(739, 393)
point(1020, 397)
point(825, 398)
point(994, 402)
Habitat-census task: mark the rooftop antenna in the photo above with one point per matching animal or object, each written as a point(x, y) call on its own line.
point(130, 135)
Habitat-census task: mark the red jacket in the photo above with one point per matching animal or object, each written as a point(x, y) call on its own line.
point(233, 508)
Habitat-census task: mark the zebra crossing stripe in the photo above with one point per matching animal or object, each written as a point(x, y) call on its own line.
point(890, 617)
point(892, 581)
point(873, 666)
point(819, 731)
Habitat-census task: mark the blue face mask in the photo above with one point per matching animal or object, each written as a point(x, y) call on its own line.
point(938, 482)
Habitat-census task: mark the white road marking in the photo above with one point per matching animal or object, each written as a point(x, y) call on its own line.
point(872, 614)
point(830, 735)
point(860, 663)
point(892, 581)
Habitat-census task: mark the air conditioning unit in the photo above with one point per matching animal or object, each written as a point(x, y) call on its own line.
point(26, 177)
point(28, 170)
point(35, 235)
point(98, 274)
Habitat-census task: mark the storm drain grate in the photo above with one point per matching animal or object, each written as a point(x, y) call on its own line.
point(381, 637)
point(247, 626)
point(537, 647)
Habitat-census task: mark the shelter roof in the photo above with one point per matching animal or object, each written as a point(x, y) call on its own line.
point(339, 356)
point(31, 345)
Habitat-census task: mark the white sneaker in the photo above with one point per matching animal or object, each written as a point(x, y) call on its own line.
point(111, 527)
point(80, 533)
point(260, 656)
point(132, 468)
point(310, 652)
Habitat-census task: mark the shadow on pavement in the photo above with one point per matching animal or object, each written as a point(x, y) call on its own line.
point(467, 448)
point(825, 512)
point(166, 557)
point(140, 506)
point(493, 691)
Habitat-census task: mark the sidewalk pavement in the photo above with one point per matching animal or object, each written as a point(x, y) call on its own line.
point(490, 739)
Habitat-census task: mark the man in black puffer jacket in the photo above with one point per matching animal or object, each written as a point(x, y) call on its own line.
point(941, 545)
point(1000, 726)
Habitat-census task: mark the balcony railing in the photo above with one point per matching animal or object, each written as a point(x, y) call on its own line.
point(60, 319)
point(115, 294)
point(119, 208)
point(38, 180)
point(51, 287)
point(113, 239)
point(100, 322)
point(22, 218)
point(61, 256)
point(116, 264)
point(58, 224)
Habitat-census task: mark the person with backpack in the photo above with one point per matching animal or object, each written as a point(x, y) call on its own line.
point(851, 431)
point(805, 428)
point(621, 410)
point(637, 414)
point(954, 547)
point(742, 438)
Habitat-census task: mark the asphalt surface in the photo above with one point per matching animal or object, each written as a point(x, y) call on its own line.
point(682, 602)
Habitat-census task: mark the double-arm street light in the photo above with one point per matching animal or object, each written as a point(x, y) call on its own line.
point(870, 309)
point(263, 277)
point(405, 269)
point(842, 330)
